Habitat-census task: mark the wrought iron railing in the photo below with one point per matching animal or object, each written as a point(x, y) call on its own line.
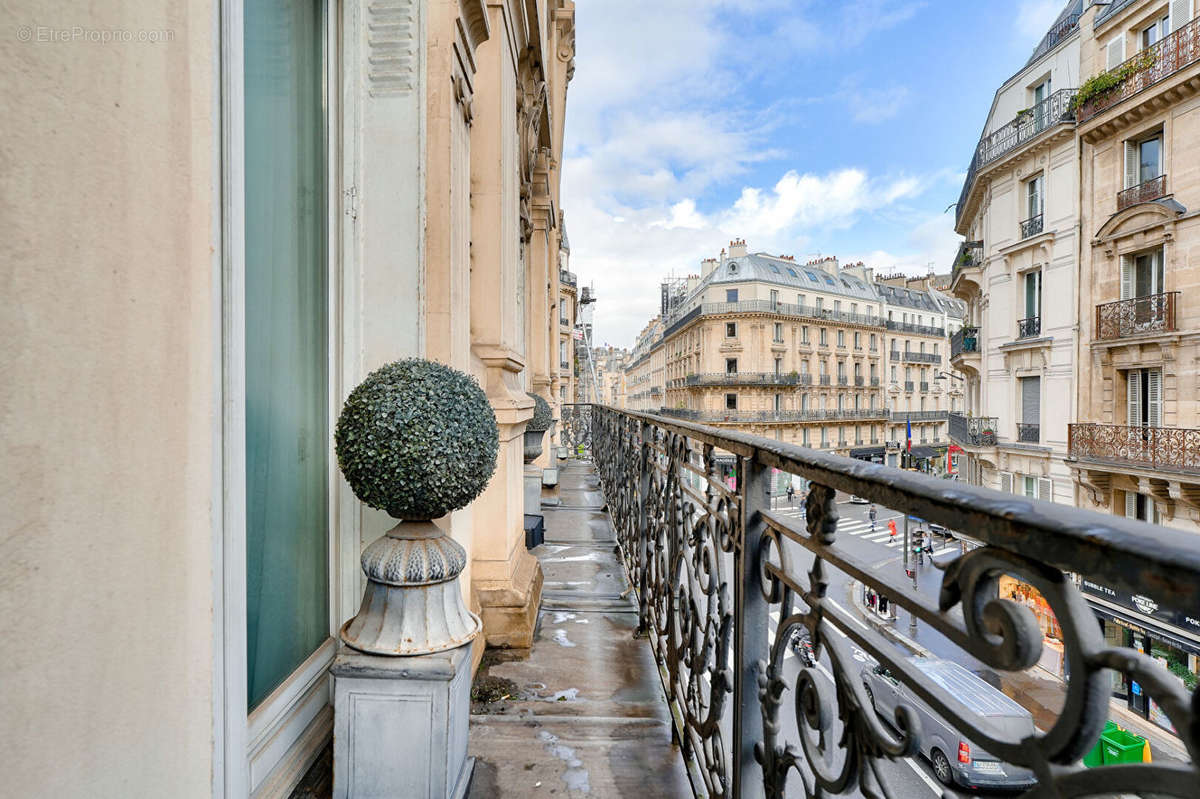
point(1145, 191)
point(1158, 61)
point(564, 364)
point(780, 416)
point(973, 431)
point(711, 566)
point(908, 385)
point(743, 378)
point(924, 385)
point(1025, 127)
point(1031, 226)
point(970, 254)
point(772, 307)
point(1175, 448)
point(1137, 315)
point(1028, 328)
point(567, 277)
point(1029, 433)
point(909, 327)
point(965, 340)
point(922, 357)
point(918, 416)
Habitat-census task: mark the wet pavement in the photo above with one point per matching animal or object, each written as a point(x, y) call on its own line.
point(581, 713)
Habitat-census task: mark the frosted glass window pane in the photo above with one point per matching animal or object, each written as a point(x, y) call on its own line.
point(287, 436)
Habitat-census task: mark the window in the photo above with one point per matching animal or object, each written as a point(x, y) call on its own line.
point(812, 277)
point(922, 347)
point(1033, 294)
point(731, 330)
point(874, 374)
point(731, 366)
point(841, 365)
point(1140, 506)
point(824, 366)
point(804, 404)
point(1033, 197)
point(778, 366)
point(804, 437)
point(731, 295)
point(774, 298)
point(1157, 30)
point(1040, 93)
point(857, 340)
point(857, 369)
point(731, 402)
point(824, 337)
point(1114, 51)
point(908, 374)
point(1143, 160)
point(854, 307)
point(820, 304)
point(778, 403)
point(791, 271)
point(1143, 398)
point(804, 334)
point(800, 300)
point(1142, 276)
point(837, 306)
point(775, 269)
point(803, 366)
point(841, 338)
point(779, 331)
point(893, 373)
point(286, 342)
point(1031, 400)
point(872, 341)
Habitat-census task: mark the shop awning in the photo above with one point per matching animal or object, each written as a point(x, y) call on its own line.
point(866, 453)
point(1138, 622)
point(924, 452)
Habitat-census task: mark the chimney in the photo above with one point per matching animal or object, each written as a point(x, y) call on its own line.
point(737, 248)
point(707, 265)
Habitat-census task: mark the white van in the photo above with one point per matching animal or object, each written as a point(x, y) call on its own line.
point(955, 759)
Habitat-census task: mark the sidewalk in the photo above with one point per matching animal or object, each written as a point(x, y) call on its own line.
point(582, 712)
point(1037, 690)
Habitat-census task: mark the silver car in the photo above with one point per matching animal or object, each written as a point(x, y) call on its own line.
point(955, 758)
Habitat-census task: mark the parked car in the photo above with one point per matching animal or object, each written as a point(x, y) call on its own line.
point(955, 759)
point(858, 500)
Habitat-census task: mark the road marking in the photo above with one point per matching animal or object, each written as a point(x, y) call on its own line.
point(849, 615)
point(933, 784)
point(877, 537)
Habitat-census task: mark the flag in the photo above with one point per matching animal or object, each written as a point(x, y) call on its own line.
point(908, 435)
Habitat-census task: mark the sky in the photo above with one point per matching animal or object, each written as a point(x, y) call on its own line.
point(805, 127)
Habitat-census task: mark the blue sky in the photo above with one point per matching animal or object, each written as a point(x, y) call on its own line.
point(805, 127)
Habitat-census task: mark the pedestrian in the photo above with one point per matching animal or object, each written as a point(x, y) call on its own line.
point(892, 530)
point(871, 515)
point(791, 492)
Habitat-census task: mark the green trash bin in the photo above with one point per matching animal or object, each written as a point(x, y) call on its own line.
point(1096, 756)
point(1121, 746)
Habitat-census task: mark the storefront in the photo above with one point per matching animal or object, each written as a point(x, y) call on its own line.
point(870, 454)
point(1052, 659)
point(1135, 621)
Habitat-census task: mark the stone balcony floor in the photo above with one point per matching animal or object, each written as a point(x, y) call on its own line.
point(582, 712)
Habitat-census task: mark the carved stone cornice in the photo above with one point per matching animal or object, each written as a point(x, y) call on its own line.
point(474, 17)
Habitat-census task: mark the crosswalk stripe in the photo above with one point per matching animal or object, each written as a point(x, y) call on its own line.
point(877, 536)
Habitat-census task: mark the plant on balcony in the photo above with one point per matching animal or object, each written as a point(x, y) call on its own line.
point(1100, 85)
point(417, 439)
point(541, 416)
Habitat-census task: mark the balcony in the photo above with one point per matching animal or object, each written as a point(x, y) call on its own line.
point(973, 431)
point(567, 278)
point(744, 379)
point(908, 385)
point(564, 322)
point(900, 417)
point(965, 340)
point(1029, 328)
point(1144, 192)
point(875, 382)
point(770, 307)
point(1031, 226)
point(824, 380)
point(1156, 63)
point(564, 365)
point(858, 381)
point(1173, 448)
point(924, 385)
point(1028, 433)
point(774, 417)
point(922, 357)
point(895, 355)
point(1136, 316)
point(805, 379)
point(717, 583)
point(1028, 125)
point(843, 381)
point(969, 256)
point(908, 327)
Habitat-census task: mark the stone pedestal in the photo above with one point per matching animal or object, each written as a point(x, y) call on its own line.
point(533, 489)
point(400, 725)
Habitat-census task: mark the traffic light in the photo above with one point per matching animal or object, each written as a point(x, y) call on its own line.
point(910, 573)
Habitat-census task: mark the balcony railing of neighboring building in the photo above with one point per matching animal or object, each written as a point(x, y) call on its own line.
point(744, 378)
point(842, 381)
point(1028, 433)
point(564, 364)
point(895, 355)
point(1031, 226)
point(1174, 448)
point(899, 417)
point(922, 357)
point(875, 382)
point(1056, 109)
point(824, 380)
point(805, 379)
point(1029, 328)
point(924, 385)
point(738, 416)
point(563, 321)
point(970, 254)
point(722, 583)
point(908, 327)
point(1149, 66)
point(655, 391)
point(858, 381)
point(908, 385)
point(781, 308)
point(567, 278)
point(1133, 317)
point(974, 431)
point(1144, 192)
point(965, 340)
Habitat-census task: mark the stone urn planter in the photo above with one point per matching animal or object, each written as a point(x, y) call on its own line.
point(535, 429)
point(417, 440)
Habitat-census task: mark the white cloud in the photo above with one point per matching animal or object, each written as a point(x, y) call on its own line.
point(1034, 18)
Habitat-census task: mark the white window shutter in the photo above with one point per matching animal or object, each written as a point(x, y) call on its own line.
point(1126, 276)
point(1154, 395)
point(1130, 505)
point(1006, 482)
point(1131, 164)
point(1133, 392)
point(1045, 489)
point(1181, 13)
point(1116, 52)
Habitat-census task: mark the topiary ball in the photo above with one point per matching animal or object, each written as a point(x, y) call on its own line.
point(541, 415)
point(417, 439)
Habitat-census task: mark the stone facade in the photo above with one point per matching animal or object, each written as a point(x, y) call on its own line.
point(1019, 214)
point(417, 152)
